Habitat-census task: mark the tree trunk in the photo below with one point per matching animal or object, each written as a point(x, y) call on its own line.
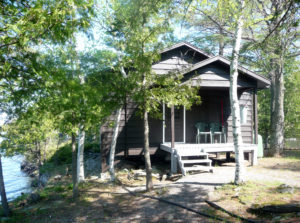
point(74, 169)
point(277, 109)
point(80, 155)
point(3, 193)
point(234, 103)
point(113, 145)
point(221, 42)
point(149, 184)
point(100, 151)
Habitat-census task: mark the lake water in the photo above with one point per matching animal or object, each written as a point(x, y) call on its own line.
point(15, 180)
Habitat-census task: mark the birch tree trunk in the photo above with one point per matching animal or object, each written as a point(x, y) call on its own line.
point(80, 155)
point(113, 145)
point(100, 151)
point(234, 103)
point(4, 202)
point(149, 184)
point(74, 169)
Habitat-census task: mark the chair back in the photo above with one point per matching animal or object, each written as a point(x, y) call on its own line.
point(200, 126)
point(214, 127)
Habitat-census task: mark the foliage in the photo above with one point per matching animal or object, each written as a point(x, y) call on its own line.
point(136, 30)
point(30, 134)
point(27, 27)
point(292, 101)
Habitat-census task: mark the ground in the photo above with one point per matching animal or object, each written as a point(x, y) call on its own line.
point(105, 202)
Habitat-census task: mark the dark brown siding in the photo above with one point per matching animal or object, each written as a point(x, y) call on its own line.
point(245, 99)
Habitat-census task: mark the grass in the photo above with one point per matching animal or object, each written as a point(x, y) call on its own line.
point(251, 195)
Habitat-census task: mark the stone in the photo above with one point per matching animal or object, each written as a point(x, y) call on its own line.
point(35, 183)
point(284, 188)
point(163, 177)
point(170, 217)
point(44, 179)
point(94, 177)
point(57, 177)
point(104, 176)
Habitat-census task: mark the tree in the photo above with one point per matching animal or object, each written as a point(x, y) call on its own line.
point(276, 47)
point(29, 135)
point(234, 102)
point(73, 102)
point(4, 202)
point(135, 28)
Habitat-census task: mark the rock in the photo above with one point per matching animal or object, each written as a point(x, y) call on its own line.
point(33, 198)
point(163, 177)
point(28, 168)
point(125, 170)
point(35, 183)
point(104, 176)
point(139, 175)
point(94, 177)
point(170, 217)
point(284, 188)
point(129, 176)
point(44, 179)
point(57, 177)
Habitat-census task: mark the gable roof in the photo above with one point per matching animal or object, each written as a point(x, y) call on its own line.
point(187, 45)
point(262, 82)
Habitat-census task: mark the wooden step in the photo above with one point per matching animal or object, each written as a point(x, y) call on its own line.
point(194, 168)
point(196, 161)
point(192, 153)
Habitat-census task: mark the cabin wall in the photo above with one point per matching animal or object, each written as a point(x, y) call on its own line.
point(131, 132)
point(245, 99)
point(131, 138)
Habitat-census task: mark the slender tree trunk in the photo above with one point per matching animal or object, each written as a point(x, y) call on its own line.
point(221, 42)
point(100, 151)
point(149, 184)
point(234, 103)
point(113, 145)
point(80, 155)
point(277, 109)
point(74, 169)
point(4, 202)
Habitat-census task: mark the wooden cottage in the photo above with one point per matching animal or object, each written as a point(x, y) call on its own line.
point(205, 128)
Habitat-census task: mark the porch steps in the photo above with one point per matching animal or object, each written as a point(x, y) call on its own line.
point(196, 161)
point(187, 161)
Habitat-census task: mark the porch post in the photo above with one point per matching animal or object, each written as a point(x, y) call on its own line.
point(255, 118)
point(184, 127)
point(173, 155)
point(164, 123)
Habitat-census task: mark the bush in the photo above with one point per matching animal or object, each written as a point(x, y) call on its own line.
point(91, 147)
point(63, 155)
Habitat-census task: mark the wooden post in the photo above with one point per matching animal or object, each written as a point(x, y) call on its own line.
point(173, 155)
point(172, 128)
point(125, 130)
point(255, 118)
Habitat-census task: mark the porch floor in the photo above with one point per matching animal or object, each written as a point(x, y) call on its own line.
point(206, 147)
point(199, 150)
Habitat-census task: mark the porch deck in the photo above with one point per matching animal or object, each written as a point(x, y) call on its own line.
point(202, 150)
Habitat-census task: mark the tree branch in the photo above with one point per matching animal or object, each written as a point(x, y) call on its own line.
point(281, 20)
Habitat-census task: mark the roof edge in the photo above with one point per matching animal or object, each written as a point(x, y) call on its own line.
point(210, 60)
point(177, 45)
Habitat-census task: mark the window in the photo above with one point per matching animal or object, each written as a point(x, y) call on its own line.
point(243, 113)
